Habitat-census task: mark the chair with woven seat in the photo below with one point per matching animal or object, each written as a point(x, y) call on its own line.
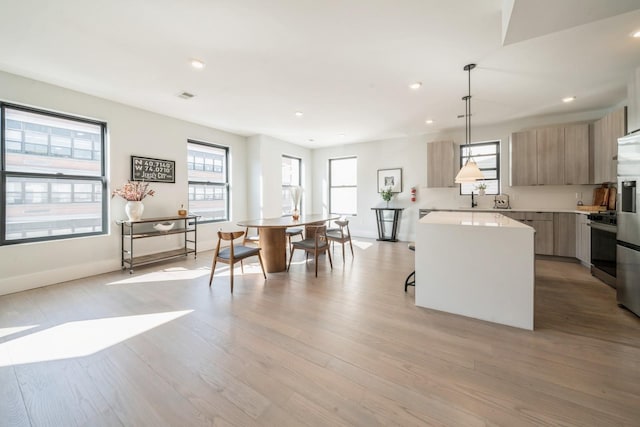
point(341, 235)
point(233, 254)
point(316, 242)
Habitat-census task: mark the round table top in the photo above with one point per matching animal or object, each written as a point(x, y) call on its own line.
point(286, 221)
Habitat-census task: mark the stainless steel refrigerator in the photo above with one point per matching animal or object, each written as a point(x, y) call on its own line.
point(628, 238)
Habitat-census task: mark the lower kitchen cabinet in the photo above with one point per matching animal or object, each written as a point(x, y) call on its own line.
point(583, 239)
point(564, 234)
point(542, 222)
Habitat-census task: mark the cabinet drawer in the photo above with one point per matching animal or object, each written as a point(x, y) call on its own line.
point(540, 216)
point(518, 216)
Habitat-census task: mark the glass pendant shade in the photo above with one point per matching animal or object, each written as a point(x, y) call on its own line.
point(469, 173)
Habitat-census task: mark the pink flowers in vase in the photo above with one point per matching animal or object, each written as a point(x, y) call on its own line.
point(133, 191)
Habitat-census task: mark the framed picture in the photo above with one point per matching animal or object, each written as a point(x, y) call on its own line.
point(152, 170)
point(390, 178)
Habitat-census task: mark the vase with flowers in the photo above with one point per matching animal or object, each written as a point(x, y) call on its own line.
point(296, 196)
point(386, 195)
point(134, 192)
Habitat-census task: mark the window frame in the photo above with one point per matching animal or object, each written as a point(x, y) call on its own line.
point(463, 160)
point(331, 186)
point(215, 185)
point(285, 187)
point(52, 177)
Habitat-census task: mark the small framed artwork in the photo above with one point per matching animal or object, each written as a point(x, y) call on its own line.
point(390, 178)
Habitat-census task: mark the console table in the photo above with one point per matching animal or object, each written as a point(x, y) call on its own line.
point(143, 228)
point(393, 219)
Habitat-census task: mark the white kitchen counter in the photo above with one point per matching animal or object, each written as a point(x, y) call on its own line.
point(464, 209)
point(476, 264)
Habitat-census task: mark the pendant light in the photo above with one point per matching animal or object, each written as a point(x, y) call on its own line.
point(470, 171)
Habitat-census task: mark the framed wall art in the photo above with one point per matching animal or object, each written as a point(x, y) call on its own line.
point(390, 178)
point(152, 170)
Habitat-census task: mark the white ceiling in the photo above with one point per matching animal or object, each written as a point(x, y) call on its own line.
point(346, 64)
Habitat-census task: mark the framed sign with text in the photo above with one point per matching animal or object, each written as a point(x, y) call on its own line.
point(152, 170)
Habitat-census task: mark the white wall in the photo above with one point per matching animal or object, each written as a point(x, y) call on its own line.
point(265, 175)
point(633, 96)
point(410, 153)
point(131, 131)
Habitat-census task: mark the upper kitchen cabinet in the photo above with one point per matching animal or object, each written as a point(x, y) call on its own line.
point(551, 156)
point(524, 158)
point(550, 152)
point(440, 164)
point(606, 132)
point(576, 154)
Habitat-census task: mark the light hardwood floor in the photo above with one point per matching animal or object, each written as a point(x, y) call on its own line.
point(348, 348)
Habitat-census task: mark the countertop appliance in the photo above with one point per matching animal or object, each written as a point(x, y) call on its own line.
point(603, 246)
point(628, 240)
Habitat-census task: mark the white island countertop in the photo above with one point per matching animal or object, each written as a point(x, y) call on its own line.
point(476, 264)
point(472, 219)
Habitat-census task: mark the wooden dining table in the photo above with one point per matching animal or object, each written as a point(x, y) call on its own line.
point(273, 239)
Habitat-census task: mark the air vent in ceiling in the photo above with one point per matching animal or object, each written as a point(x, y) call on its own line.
point(186, 95)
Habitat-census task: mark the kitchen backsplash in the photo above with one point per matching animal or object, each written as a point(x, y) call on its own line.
point(534, 197)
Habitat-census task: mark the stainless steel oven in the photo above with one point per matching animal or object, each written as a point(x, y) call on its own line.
point(603, 246)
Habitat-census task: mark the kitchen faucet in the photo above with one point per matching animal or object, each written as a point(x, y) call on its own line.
point(473, 200)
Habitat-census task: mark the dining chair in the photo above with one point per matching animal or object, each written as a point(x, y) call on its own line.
point(233, 254)
point(292, 232)
point(316, 242)
point(341, 235)
point(253, 238)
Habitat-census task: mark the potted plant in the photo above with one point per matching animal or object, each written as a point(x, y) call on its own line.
point(482, 187)
point(386, 195)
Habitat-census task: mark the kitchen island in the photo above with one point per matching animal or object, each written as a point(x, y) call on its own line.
point(476, 264)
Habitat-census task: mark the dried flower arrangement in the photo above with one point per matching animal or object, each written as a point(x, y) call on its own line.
point(133, 191)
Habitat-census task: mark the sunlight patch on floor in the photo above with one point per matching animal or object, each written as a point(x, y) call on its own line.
point(169, 274)
point(5, 332)
point(361, 244)
point(225, 271)
point(80, 338)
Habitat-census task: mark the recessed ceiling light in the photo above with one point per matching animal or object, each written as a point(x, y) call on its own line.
point(568, 99)
point(416, 85)
point(429, 121)
point(636, 34)
point(310, 140)
point(341, 135)
point(299, 113)
point(197, 64)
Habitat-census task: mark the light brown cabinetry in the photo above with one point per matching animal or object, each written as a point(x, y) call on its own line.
point(440, 164)
point(550, 153)
point(542, 223)
point(606, 132)
point(583, 239)
point(564, 234)
point(524, 155)
point(576, 154)
point(550, 156)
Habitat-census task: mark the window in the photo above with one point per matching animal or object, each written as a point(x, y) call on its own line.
point(487, 156)
point(208, 181)
point(290, 177)
point(343, 186)
point(53, 176)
